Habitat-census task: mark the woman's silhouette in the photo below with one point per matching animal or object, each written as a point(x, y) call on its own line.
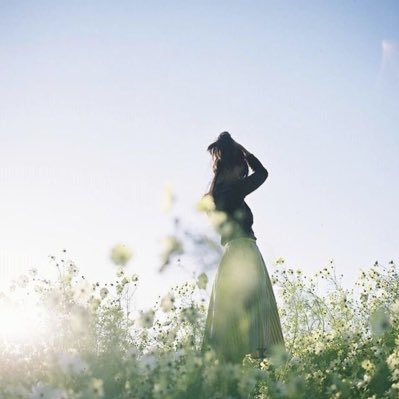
point(242, 315)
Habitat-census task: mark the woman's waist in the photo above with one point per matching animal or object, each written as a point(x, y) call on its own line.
point(238, 240)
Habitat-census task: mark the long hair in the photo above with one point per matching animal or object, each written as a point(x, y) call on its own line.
point(225, 155)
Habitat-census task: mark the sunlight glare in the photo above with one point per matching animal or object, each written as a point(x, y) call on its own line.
point(21, 323)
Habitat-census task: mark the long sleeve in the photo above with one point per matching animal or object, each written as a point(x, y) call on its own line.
point(253, 181)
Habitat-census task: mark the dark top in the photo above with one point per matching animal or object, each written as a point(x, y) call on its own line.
point(229, 197)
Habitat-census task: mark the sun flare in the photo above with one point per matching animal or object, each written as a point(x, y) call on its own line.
point(21, 323)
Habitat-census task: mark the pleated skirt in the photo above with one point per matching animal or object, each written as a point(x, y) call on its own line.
point(242, 315)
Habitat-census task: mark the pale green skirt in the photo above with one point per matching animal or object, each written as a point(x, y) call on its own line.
point(242, 314)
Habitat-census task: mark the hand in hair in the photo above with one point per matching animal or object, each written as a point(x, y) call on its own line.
point(227, 136)
point(243, 149)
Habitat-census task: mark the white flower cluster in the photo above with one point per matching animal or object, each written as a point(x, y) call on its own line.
point(71, 363)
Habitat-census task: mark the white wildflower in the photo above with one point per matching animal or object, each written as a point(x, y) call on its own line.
point(23, 280)
point(72, 364)
point(148, 361)
point(66, 278)
point(395, 307)
point(279, 355)
point(217, 218)
point(119, 271)
point(82, 291)
point(96, 387)
point(167, 302)
point(393, 360)
point(279, 260)
point(318, 347)
point(379, 321)
point(177, 354)
point(59, 394)
point(368, 365)
point(202, 281)
point(168, 198)
point(206, 204)
point(79, 317)
point(53, 298)
point(33, 272)
point(95, 303)
point(72, 269)
point(132, 352)
point(45, 391)
point(104, 292)
point(120, 255)
point(146, 319)
point(124, 281)
point(170, 246)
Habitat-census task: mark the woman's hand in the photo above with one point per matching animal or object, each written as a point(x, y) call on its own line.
point(243, 149)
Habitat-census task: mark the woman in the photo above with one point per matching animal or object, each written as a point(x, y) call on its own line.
point(242, 315)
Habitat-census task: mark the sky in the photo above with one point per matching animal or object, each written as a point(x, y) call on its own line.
point(102, 104)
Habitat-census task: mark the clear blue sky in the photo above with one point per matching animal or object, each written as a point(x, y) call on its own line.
point(102, 103)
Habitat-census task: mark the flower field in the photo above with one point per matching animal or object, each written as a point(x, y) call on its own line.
point(70, 338)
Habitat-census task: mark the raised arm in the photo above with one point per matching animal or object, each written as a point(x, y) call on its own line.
point(253, 181)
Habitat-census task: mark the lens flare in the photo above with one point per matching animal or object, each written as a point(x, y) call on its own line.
point(389, 67)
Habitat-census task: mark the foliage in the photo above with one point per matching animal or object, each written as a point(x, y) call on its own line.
point(89, 344)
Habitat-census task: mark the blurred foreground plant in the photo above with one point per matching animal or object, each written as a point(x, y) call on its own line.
point(340, 344)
